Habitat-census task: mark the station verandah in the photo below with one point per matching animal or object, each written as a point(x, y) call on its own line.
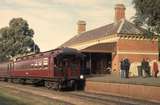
point(98, 58)
point(97, 63)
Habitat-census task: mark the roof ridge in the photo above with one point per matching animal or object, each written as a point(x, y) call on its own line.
point(94, 29)
point(138, 27)
point(121, 25)
point(135, 29)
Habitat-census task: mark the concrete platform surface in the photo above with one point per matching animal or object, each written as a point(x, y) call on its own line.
point(147, 81)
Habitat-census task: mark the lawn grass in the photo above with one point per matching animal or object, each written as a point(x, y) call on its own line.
point(14, 97)
point(7, 99)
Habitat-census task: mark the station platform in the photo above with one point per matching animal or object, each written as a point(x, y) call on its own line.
point(138, 87)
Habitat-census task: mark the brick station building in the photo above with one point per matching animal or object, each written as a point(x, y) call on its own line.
point(107, 45)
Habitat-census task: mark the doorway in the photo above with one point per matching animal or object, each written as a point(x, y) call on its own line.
point(98, 63)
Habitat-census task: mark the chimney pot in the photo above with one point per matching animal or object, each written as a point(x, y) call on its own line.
point(119, 12)
point(81, 26)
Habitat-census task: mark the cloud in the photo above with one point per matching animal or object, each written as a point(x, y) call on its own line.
point(47, 27)
point(49, 3)
point(54, 21)
point(130, 12)
point(21, 4)
point(77, 2)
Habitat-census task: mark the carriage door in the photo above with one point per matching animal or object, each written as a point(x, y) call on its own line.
point(9, 68)
point(74, 68)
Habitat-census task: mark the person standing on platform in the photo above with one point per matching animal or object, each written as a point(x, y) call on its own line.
point(155, 69)
point(127, 67)
point(122, 68)
point(144, 65)
point(148, 71)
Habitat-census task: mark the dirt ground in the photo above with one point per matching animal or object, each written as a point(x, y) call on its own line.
point(15, 97)
point(28, 95)
point(16, 94)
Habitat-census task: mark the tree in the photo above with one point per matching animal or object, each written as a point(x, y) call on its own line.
point(16, 39)
point(148, 14)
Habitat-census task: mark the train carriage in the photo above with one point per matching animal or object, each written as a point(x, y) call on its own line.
point(5, 69)
point(33, 66)
point(59, 68)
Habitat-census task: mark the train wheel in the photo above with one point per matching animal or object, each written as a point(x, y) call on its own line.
point(74, 85)
point(56, 86)
point(38, 82)
point(47, 84)
point(10, 80)
point(6, 79)
point(22, 81)
point(59, 86)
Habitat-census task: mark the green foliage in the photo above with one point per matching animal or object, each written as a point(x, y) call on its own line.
point(148, 14)
point(16, 39)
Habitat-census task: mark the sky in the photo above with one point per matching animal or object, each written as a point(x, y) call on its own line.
point(55, 21)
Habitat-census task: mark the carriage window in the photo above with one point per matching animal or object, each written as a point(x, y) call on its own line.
point(36, 65)
point(45, 63)
point(40, 65)
point(45, 67)
point(32, 66)
point(58, 65)
point(74, 64)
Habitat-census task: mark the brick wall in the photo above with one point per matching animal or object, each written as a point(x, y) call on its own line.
point(115, 63)
point(137, 45)
point(135, 51)
point(150, 93)
point(137, 57)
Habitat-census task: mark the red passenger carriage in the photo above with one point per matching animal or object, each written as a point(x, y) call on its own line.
point(5, 68)
point(58, 68)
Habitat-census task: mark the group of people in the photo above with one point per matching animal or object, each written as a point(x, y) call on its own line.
point(145, 68)
point(125, 66)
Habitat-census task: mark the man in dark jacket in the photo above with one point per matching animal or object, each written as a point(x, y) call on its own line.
point(122, 68)
point(148, 68)
point(145, 67)
point(127, 67)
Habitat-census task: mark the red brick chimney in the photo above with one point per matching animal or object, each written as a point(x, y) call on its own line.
point(119, 12)
point(81, 26)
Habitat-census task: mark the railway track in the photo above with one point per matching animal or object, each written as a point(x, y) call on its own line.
point(77, 97)
point(117, 100)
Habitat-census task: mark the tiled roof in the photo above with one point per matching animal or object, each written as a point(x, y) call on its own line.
point(132, 29)
point(122, 27)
